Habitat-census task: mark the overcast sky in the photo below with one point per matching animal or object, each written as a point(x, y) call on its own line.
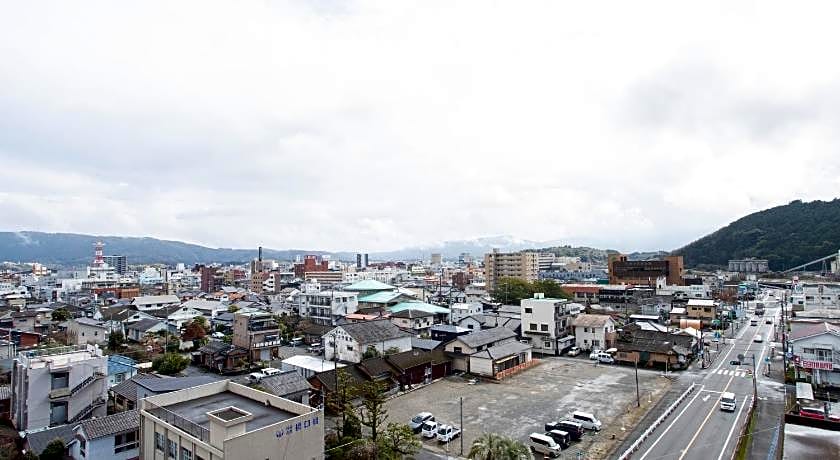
point(366, 126)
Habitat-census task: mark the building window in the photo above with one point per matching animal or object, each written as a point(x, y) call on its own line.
point(127, 441)
point(82, 446)
point(547, 345)
point(158, 441)
point(118, 378)
point(544, 327)
point(532, 326)
point(458, 350)
point(60, 380)
point(528, 310)
point(186, 454)
point(172, 448)
point(596, 343)
point(349, 347)
point(58, 413)
point(808, 351)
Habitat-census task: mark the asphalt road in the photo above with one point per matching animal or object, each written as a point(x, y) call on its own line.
point(698, 429)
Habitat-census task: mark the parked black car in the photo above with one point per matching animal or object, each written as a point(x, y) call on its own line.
point(574, 429)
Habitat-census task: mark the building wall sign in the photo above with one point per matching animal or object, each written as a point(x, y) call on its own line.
point(823, 365)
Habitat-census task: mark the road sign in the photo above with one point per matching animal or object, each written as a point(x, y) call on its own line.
point(740, 357)
point(789, 355)
point(766, 359)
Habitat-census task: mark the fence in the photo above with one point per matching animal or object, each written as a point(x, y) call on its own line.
point(637, 443)
point(179, 422)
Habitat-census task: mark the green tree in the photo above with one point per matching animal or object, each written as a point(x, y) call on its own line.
point(392, 351)
point(373, 413)
point(371, 352)
point(170, 363)
point(233, 309)
point(116, 341)
point(397, 441)
point(551, 289)
point(340, 401)
point(61, 314)
point(54, 450)
point(492, 446)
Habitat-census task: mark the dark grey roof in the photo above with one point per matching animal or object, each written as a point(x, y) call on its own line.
point(448, 328)
point(5, 392)
point(374, 331)
point(164, 385)
point(128, 388)
point(39, 440)
point(424, 344)
point(284, 384)
point(144, 324)
point(486, 336)
point(112, 424)
point(411, 314)
point(215, 346)
point(503, 350)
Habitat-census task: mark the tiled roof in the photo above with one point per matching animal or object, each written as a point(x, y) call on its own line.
point(5, 392)
point(587, 320)
point(816, 329)
point(285, 383)
point(381, 297)
point(409, 359)
point(373, 331)
point(112, 424)
point(424, 344)
point(164, 385)
point(502, 351)
point(128, 388)
point(156, 299)
point(144, 324)
point(39, 440)
point(411, 314)
point(486, 336)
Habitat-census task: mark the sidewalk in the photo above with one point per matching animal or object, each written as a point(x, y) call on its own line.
point(769, 410)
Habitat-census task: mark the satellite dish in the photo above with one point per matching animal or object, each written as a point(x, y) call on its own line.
point(740, 357)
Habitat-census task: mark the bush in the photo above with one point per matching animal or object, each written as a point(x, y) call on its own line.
point(170, 363)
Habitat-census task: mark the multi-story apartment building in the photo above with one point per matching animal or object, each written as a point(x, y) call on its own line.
point(645, 272)
point(119, 263)
point(547, 323)
point(259, 333)
point(225, 420)
point(749, 265)
point(521, 265)
point(58, 385)
point(326, 307)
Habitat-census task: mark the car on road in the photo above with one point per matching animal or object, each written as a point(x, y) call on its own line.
point(562, 438)
point(574, 429)
point(606, 358)
point(543, 444)
point(768, 321)
point(587, 420)
point(429, 429)
point(753, 322)
point(594, 354)
point(574, 351)
point(316, 349)
point(446, 433)
point(416, 422)
point(734, 362)
point(727, 401)
point(758, 338)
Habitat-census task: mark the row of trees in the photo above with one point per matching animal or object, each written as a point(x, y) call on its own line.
point(511, 291)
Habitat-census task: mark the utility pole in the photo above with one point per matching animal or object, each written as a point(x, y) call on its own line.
point(755, 382)
point(462, 426)
point(636, 368)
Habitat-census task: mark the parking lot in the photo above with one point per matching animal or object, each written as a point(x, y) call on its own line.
point(523, 403)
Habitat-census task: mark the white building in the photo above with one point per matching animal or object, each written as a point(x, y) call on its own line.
point(87, 330)
point(115, 437)
point(350, 341)
point(697, 291)
point(155, 302)
point(546, 323)
point(326, 307)
point(58, 385)
point(459, 311)
point(593, 331)
point(816, 351)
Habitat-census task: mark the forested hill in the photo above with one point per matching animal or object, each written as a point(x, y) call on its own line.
point(786, 236)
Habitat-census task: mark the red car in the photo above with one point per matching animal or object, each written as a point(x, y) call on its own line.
point(817, 413)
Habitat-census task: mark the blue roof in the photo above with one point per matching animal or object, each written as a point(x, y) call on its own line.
point(380, 297)
point(117, 364)
point(369, 285)
point(422, 306)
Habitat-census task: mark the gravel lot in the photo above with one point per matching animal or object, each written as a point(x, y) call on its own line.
point(523, 403)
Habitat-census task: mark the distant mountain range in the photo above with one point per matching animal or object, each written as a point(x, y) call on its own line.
point(787, 236)
point(70, 249)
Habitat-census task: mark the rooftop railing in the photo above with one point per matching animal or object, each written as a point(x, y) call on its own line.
point(187, 426)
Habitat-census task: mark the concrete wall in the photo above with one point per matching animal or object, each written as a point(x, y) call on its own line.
point(301, 438)
point(481, 366)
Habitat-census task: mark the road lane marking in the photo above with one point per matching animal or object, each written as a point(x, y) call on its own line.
point(729, 436)
point(668, 428)
point(705, 420)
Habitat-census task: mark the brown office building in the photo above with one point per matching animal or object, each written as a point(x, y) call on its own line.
point(645, 272)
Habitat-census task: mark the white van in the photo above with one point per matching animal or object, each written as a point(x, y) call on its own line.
point(587, 420)
point(543, 444)
point(269, 371)
point(255, 377)
point(727, 401)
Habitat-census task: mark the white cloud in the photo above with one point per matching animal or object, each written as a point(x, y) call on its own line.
point(374, 125)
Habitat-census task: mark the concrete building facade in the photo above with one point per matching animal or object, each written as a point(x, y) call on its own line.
point(521, 265)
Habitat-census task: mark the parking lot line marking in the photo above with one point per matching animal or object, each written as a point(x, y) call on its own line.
point(668, 428)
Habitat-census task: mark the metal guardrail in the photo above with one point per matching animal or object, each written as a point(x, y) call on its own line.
point(638, 442)
point(167, 416)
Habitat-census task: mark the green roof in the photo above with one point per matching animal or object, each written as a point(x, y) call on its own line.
point(427, 307)
point(369, 285)
point(381, 297)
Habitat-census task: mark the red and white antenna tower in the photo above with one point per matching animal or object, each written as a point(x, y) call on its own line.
point(98, 259)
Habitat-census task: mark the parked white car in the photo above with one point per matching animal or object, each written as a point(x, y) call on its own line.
point(574, 351)
point(605, 358)
point(417, 421)
point(429, 429)
point(594, 354)
point(587, 420)
point(447, 433)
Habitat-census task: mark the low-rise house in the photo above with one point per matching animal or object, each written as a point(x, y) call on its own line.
point(208, 308)
point(447, 332)
point(221, 357)
point(417, 367)
point(548, 323)
point(177, 316)
point(425, 344)
point(349, 342)
point(704, 310)
point(36, 441)
point(383, 300)
point(495, 351)
point(594, 331)
point(120, 369)
point(155, 302)
point(490, 320)
point(459, 311)
point(289, 385)
point(115, 437)
point(653, 348)
point(87, 330)
point(816, 353)
point(308, 366)
point(123, 396)
point(417, 322)
point(138, 331)
point(224, 420)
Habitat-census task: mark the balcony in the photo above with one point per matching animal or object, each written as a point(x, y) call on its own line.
point(263, 327)
point(267, 343)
